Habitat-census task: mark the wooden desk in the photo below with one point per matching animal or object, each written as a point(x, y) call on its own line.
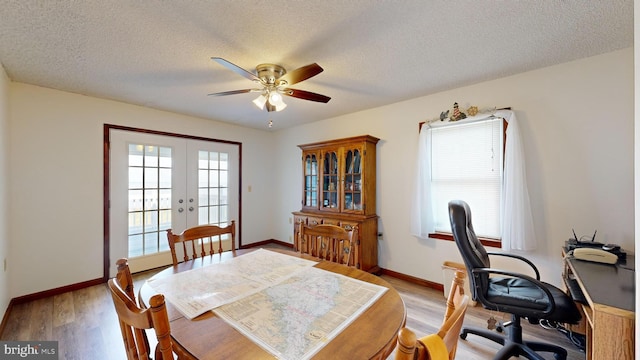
point(609, 291)
point(371, 336)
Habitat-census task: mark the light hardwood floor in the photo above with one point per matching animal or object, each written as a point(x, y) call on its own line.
point(85, 324)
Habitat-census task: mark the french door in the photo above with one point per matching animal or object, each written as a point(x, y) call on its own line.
point(160, 182)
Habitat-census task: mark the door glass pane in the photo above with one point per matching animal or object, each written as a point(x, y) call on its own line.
point(203, 197)
point(165, 178)
point(151, 156)
point(135, 200)
point(151, 199)
point(214, 162)
point(165, 198)
point(150, 177)
point(203, 179)
point(165, 220)
point(203, 158)
point(223, 214)
point(224, 161)
point(135, 177)
point(214, 199)
point(213, 178)
point(151, 243)
point(136, 153)
point(150, 222)
point(214, 213)
point(165, 157)
point(149, 189)
point(224, 178)
point(203, 215)
point(135, 245)
point(223, 197)
point(135, 223)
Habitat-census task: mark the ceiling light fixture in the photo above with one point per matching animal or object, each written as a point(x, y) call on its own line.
point(273, 83)
point(272, 99)
point(275, 99)
point(260, 101)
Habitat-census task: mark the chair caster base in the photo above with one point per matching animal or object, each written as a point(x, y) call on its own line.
point(527, 349)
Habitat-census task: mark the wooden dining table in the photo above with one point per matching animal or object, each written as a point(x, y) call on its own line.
point(372, 335)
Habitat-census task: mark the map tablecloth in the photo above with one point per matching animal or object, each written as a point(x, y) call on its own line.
point(280, 302)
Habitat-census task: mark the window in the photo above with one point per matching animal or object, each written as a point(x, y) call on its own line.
point(466, 164)
point(512, 215)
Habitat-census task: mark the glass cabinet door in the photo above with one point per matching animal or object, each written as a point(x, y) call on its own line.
point(352, 180)
point(310, 190)
point(330, 181)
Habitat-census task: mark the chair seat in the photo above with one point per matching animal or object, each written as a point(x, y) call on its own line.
point(519, 296)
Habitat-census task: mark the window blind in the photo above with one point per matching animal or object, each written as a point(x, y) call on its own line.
point(466, 164)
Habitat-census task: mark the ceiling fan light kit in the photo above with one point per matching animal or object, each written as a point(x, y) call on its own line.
point(274, 81)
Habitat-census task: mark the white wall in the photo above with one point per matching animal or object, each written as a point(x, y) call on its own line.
point(577, 129)
point(4, 188)
point(56, 181)
point(576, 118)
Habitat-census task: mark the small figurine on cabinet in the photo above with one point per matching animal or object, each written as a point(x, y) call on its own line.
point(457, 115)
point(444, 115)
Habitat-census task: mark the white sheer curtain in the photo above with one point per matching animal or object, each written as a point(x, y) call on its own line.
point(422, 223)
point(517, 220)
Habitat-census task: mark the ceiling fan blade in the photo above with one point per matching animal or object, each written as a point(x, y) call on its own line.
point(299, 74)
point(233, 92)
point(236, 69)
point(306, 95)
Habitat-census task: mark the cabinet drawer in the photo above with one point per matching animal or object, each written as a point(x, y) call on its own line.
point(311, 220)
point(331, 221)
point(297, 220)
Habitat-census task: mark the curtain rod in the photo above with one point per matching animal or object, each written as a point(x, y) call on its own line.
point(470, 121)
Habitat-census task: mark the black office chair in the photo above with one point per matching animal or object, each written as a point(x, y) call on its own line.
point(517, 294)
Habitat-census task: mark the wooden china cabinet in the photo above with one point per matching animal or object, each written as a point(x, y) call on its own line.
point(339, 188)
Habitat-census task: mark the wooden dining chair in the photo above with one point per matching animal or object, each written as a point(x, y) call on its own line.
point(134, 319)
point(328, 242)
point(443, 344)
point(202, 237)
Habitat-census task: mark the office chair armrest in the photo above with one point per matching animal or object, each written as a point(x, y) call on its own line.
point(552, 304)
point(535, 269)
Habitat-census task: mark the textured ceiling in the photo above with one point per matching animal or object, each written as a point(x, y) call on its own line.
point(158, 53)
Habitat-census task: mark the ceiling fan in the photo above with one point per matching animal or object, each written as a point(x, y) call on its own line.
point(273, 81)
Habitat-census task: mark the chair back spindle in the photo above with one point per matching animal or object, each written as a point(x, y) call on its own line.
point(199, 241)
point(328, 242)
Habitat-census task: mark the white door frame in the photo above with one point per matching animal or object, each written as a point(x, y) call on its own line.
point(108, 244)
